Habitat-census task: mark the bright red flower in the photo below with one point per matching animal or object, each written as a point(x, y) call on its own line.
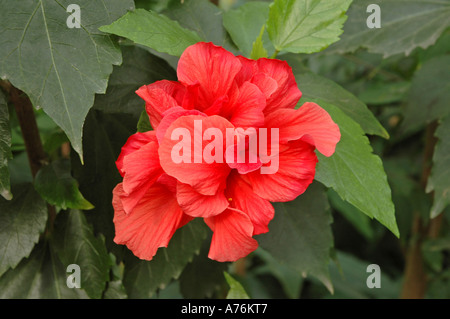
point(216, 92)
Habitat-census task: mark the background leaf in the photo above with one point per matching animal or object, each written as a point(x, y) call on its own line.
point(236, 290)
point(60, 69)
point(56, 185)
point(306, 26)
point(355, 173)
point(153, 30)
point(22, 220)
point(300, 234)
point(75, 243)
point(439, 180)
point(41, 276)
point(5, 149)
point(405, 25)
point(143, 278)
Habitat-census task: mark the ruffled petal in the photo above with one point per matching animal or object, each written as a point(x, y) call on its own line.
point(183, 158)
point(197, 205)
point(134, 143)
point(296, 170)
point(310, 122)
point(212, 67)
point(232, 236)
point(159, 97)
point(241, 196)
point(151, 225)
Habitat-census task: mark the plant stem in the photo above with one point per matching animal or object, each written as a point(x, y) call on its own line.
point(274, 55)
point(30, 132)
point(415, 281)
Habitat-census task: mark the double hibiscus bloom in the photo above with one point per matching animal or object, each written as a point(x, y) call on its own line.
point(158, 194)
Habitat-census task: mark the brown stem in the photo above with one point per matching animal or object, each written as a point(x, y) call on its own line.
point(415, 281)
point(30, 132)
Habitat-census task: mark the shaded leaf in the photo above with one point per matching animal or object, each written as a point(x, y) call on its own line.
point(54, 182)
point(41, 276)
point(355, 173)
point(59, 68)
point(405, 25)
point(153, 30)
point(5, 149)
point(306, 26)
point(75, 243)
point(143, 278)
point(22, 220)
point(439, 180)
point(300, 234)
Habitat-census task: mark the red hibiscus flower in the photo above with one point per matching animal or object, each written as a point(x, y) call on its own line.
point(191, 167)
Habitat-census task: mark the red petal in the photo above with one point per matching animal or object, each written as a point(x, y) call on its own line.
point(134, 142)
point(142, 169)
point(212, 67)
point(309, 121)
point(241, 196)
point(204, 177)
point(159, 97)
point(232, 236)
point(296, 170)
point(151, 225)
point(197, 205)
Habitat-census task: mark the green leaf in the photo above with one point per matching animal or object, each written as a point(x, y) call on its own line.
point(144, 123)
point(75, 243)
point(236, 290)
point(300, 234)
point(429, 94)
point(314, 86)
point(202, 17)
point(405, 25)
point(5, 149)
point(22, 220)
point(153, 30)
point(244, 26)
point(258, 50)
point(439, 180)
point(306, 26)
point(139, 68)
point(384, 93)
point(41, 276)
point(99, 175)
point(59, 68)
point(143, 278)
point(56, 185)
point(360, 221)
point(115, 290)
point(203, 276)
point(355, 173)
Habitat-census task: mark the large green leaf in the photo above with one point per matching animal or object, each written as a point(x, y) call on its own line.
point(405, 25)
point(75, 243)
point(58, 67)
point(306, 26)
point(439, 180)
point(202, 17)
point(300, 234)
point(429, 93)
point(355, 173)
point(41, 276)
point(54, 182)
point(244, 26)
point(153, 30)
point(143, 278)
point(5, 149)
point(139, 68)
point(22, 220)
point(314, 86)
